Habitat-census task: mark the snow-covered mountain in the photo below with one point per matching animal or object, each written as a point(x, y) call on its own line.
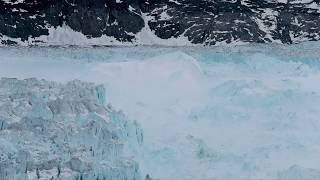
point(63, 131)
point(158, 22)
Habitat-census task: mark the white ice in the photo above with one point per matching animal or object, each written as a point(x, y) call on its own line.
point(246, 112)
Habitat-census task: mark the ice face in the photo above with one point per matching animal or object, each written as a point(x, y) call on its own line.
point(54, 131)
point(241, 112)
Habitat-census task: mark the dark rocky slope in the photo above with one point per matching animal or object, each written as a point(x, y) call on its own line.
point(205, 22)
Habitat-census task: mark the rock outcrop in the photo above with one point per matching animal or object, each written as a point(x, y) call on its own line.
point(131, 22)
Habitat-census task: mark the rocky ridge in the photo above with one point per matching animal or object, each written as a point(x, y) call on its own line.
point(158, 22)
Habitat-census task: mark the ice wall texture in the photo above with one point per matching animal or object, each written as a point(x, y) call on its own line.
point(63, 131)
point(158, 22)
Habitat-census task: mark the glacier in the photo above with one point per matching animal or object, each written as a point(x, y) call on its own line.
point(54, 131)
point(245, 112)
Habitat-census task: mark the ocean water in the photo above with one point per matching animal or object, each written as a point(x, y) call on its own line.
point(247, 112)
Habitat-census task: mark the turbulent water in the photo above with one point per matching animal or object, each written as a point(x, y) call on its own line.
point(227, 112)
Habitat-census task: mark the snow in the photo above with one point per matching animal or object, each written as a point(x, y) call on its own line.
point(14, 2)
point(248, 112)
point(283, 1)
point(66, 36)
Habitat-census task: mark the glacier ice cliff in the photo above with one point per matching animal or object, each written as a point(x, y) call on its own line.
point(63, 131)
